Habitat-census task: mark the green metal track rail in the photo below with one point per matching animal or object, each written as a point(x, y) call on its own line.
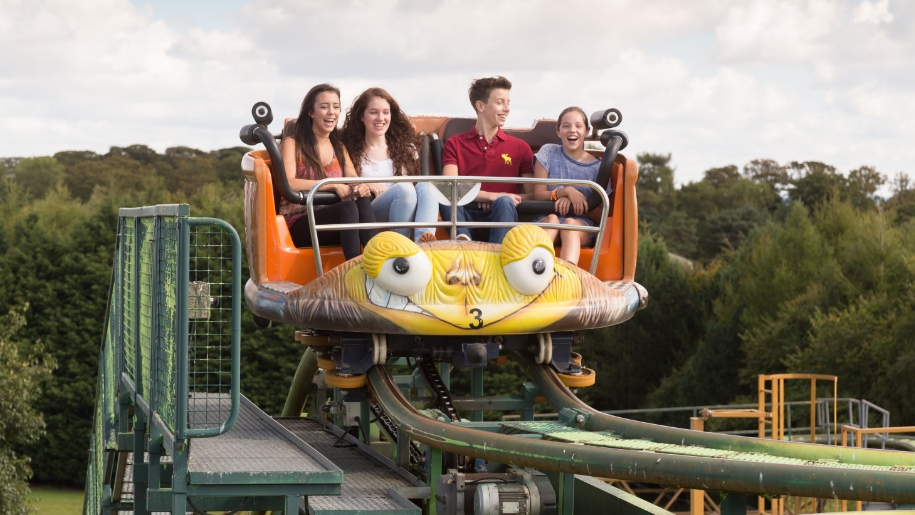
point(601, 446)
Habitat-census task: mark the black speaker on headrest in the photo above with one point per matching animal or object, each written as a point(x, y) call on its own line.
point(262, 113)
point(606, 119)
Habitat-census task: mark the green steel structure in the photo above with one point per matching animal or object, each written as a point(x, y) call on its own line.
point(173, 434)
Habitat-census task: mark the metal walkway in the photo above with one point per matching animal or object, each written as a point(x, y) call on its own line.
point(257, 450)
point(371, 483)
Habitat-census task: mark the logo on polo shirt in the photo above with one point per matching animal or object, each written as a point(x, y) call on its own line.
point(507, 159)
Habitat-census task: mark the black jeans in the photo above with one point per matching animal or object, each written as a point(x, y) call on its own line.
point(346, 212)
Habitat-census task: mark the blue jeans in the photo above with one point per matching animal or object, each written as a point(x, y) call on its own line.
point(403, 202)
point(503, 210)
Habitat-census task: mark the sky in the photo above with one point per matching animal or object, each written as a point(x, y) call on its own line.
point(711, 82)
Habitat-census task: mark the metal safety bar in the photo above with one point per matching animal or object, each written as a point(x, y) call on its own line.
point(454, 224)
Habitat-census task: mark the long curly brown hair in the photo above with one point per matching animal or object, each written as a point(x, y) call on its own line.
point(306, 142)
point(401, 138)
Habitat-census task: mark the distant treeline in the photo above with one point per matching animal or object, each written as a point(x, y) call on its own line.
point(796, 267)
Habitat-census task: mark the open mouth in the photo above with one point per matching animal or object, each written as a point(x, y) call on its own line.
point(383, 298)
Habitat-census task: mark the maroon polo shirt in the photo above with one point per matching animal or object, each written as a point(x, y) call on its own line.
point(506, 156)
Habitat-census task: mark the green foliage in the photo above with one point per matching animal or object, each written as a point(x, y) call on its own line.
point(20, 422)
point(56, 253)
point(728, 228)
point(678, 231)
point(38, 174)
point(666, 332)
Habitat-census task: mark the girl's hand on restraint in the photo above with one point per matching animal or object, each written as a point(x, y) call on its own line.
point(579, 202)
point(343, 191)
point(562, 206)
point(376, 188)
point(361, 190)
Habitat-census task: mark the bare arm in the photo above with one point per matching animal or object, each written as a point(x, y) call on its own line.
point(359, 190)
point(287, 148)
point(541, 191)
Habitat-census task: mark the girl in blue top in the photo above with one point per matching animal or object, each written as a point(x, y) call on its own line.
point(568, 161)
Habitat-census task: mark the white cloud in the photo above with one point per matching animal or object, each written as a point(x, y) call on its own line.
point(713, 82)
point(873, 13)
point(781, 31)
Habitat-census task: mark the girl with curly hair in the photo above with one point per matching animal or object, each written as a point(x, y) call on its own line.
point(382, 143)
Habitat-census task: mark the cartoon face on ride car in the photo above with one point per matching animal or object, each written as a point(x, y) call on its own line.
point(452, 288)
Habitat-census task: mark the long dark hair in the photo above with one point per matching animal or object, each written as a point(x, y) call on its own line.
point(400, 136)
point(306, 143)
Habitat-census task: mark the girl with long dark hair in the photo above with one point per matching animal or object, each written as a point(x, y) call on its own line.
point(313, 152)
point(382, 143)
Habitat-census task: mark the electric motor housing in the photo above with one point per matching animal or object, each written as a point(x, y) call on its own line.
point(516, 491)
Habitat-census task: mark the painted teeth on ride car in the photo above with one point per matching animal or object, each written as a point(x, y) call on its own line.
point(382, 297)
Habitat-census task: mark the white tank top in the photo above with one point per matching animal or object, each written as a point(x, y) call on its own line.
point(372, 168)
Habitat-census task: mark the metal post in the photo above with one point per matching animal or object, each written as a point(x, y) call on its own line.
point(137, 351)
point(476, 389)
point(181, 309)
point(733, 504)
point(444, 370)
point(453, 210)
point(435, 470)
point(292, 505)
point(566, 493)
point(813, 414)
point(775, 413)
point(365, 418)
point(155, 452)
point(140, 470)
point(697, 497)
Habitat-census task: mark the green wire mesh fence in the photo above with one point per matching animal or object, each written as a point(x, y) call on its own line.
point(210, 332)
point(172, 333)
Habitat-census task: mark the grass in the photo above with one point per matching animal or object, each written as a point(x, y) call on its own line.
point(57, 501)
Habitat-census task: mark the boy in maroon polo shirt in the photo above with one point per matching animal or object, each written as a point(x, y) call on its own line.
point(487, 151)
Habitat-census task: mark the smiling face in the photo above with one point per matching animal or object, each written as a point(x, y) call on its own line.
point(325, 113)
point(572, 131)
point(377, 117)
point(495, 110)
point(454, 288)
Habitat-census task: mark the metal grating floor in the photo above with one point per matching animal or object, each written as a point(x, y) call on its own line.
point(252, 446)
point(366, 483)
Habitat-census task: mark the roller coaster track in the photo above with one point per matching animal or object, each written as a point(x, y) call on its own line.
point(591, 443)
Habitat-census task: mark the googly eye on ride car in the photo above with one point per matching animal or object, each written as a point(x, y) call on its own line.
point(531, 274)
point(405, 275)
point(396, 264)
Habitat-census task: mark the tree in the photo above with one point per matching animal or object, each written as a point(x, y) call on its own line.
point(20, 423)
point(729, 228)
point(664, 332)
point(774, 176)
point(814, 182)
point(38, 174)
point(863, 183)
point(679, 233)
point(655, 173)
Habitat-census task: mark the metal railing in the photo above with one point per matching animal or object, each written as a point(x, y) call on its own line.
point(856, 407)
point(454, 224)
point(176, 315)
